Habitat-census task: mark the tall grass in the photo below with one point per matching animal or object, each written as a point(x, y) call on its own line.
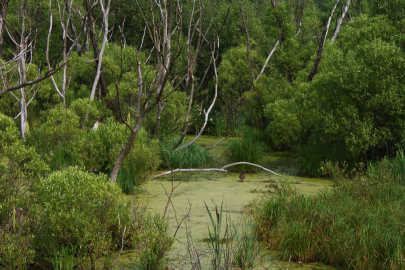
point(63, 259)
point(231, 245)
point(358, 225)
point(194, 156)
point(314, 153)
point(248, 149)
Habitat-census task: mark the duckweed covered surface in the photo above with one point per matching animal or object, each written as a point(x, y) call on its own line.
point(199, 187)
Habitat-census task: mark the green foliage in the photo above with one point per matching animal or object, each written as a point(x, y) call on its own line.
point(344, 226)
point(235, 80)
point(246, 252)
point(80, 210)
point(63, 259)
point(20, 167)
point(193, 156)
point(248, 149)
point(229, 243)
point(152, 239)
point(141, 163)
point(285, 125)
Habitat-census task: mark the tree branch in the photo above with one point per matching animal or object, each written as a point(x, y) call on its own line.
point(222, 169)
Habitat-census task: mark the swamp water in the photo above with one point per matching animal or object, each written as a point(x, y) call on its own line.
point(195, 189)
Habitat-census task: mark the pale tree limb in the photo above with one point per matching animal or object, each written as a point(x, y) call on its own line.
point(267, 60)
point(314, 70)
point(209, 109)
point(302, 15)
point(5, 90)
point(340, 21)
point(66, 53)
point(221, 140)
point(106, 11)
point(222, 169)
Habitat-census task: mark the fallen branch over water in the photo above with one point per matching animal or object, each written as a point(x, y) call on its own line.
point(223, 169)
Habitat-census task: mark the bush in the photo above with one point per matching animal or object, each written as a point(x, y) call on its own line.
point(141, 163)
point(20, 167)
point(152, 239)
point(80, 210)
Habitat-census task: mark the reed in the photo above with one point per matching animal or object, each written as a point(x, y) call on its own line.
point(63, 259)
point(358, 225)
point(231, 244)
point(194, 156)
point(248, 149)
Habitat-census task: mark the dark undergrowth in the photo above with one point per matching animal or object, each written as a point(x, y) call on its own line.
point(357, 225)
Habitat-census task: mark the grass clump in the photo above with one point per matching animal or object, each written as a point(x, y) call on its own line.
point(230, 244)
point(358, 225)
point(247, 149)
point(194, 156)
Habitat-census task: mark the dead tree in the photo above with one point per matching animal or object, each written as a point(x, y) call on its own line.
point(14, 71)
point(162, 30)
point(90, 28)
point(194, 27)
point(65, 18)
point(23, 40)
point(99, 56)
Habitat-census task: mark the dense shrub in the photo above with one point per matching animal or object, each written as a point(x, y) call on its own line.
point(151, 238)
point(20, 167)
point(141, 163)
point(80, 210)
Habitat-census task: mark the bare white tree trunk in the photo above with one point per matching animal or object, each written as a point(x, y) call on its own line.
point(22, 73)
point(106, 11)
point(65, 52)
point(340, 21)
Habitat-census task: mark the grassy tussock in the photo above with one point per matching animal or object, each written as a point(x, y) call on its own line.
point(248, 149)
point(358, 225)
point(194, 156)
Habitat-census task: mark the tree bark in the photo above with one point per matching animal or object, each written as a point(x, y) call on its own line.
point(127, 150)
point(3, 17)
point(22, 74)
